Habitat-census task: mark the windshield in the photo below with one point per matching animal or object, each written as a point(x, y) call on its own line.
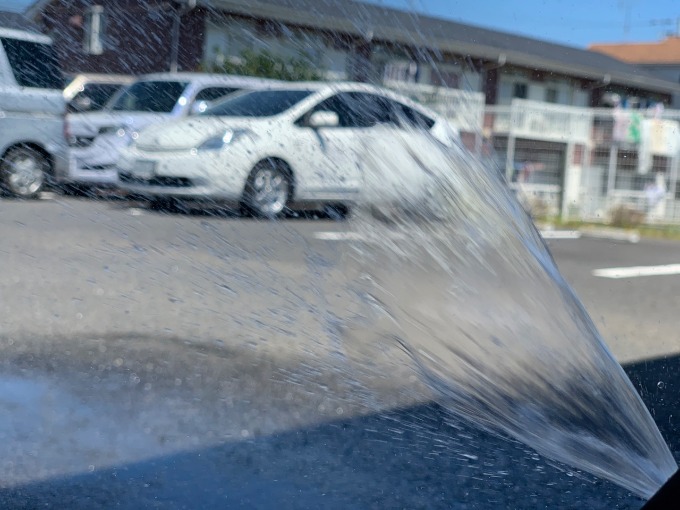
point(428, 259)
point(148, 96)
point(94, 96)
point(264, 103)
point(33, 64)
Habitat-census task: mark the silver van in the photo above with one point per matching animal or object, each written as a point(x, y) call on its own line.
point(32, 109)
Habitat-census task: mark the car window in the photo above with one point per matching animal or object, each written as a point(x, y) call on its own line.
point(96, 95)
point(358, 110)
point(149, 96)
point(33, 64)
point(262, 103)
point(411, 117)
point(213, 93)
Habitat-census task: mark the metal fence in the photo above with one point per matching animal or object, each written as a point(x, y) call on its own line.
point(591, 164)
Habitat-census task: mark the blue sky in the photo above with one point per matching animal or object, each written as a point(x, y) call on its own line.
point(576, 22)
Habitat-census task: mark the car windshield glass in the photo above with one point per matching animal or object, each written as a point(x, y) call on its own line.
point(355, 284)
point(94, 96)
point(149, 96)
point(262, 103)
point(33, 64)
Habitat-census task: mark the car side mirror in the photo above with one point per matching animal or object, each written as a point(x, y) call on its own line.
point(323, 119)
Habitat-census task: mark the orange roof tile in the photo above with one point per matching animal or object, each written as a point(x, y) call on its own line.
point(663, 52)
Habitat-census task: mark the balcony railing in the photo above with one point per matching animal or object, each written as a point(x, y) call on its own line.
point(462, 108)
point(540, 121)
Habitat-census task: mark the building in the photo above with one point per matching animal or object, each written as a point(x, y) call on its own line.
point(661, 58)
point(345, 39)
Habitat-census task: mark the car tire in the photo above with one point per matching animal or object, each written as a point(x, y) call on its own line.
point(24, 172)
point(268, 189)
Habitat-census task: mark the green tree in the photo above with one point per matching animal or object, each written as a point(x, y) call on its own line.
point(265, 64)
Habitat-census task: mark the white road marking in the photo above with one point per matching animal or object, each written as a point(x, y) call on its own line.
point(337, 236)
point(355, 236)
point(560, 234)
point(636, 271)
point(614, 235)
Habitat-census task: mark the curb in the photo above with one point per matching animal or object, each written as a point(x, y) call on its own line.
point(613, 234)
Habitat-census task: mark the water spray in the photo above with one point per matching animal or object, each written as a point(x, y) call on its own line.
point(452, 269)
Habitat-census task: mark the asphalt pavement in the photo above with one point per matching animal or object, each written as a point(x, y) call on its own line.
point(174, 360)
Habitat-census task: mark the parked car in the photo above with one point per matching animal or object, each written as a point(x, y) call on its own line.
point(270, 149)
point(91, 92)
point(96, 138)
point(32, 109)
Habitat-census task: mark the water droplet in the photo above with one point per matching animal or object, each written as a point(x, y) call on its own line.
point(661, 385)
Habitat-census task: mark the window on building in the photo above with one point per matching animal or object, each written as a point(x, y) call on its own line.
point(520, 90)
point(95, 25)
point(401, 71)
point(443, 78)
point(551, 95)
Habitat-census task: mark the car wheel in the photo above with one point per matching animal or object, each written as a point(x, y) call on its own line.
point(23, 171)
point(268, 189)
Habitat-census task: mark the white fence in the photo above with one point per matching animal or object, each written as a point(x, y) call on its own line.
point(463, 108)
point(541, 121)
point(608, 158)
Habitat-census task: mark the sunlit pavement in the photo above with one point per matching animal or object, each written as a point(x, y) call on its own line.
point(136, 343)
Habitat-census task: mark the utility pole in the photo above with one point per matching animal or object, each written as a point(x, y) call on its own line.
point(179, 9)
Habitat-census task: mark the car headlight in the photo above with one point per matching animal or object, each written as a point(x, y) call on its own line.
point(223, 140)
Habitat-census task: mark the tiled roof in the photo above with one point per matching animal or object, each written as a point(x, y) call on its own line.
point(663, 52)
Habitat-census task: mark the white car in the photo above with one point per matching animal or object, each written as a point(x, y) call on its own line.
point(272, 149)
point(96, 138)
point(32, 109)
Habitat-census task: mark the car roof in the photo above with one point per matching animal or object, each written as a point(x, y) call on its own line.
point(207, 78)
point(102, 78)
point(80, 80)
point(346, 86)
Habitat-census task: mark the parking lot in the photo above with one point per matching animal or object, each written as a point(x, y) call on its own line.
point(135, 340)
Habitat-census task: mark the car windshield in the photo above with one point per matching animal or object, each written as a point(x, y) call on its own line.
point(429, 259)
point(33, 64)
point(262, 103)
point(94, 96)
point(149, 96)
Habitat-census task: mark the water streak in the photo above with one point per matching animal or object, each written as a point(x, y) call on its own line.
point(451, 268)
